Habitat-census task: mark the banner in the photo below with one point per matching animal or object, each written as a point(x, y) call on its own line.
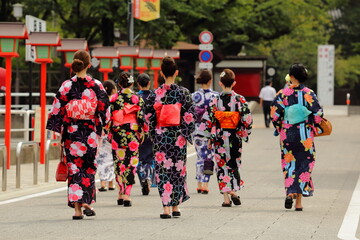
point(325, 74)
point(146, 10)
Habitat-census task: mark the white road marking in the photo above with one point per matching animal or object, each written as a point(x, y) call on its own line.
point(18, 199)
point(351, 219)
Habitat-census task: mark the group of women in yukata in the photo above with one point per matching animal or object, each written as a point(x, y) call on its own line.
point(98, 122)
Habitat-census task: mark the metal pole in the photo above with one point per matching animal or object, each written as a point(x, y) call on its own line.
point(131, 29)
point(4, 169)
point(18, 152)
point(35, 167)
point(19, 149)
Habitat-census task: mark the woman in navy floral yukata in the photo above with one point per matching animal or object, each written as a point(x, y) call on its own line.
point(296, 115)
point(170, 112)
point(78, 113)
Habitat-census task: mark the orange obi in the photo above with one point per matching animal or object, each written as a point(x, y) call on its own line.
point(83, 109)
point(127, 115)
point(168, 115)
point(228, 119)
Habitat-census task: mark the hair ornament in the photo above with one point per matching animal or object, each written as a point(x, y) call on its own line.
point(130, 79)
point(287, 78)
point(222, 74)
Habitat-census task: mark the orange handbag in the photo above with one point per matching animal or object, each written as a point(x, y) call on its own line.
point(228, 119)
point(326, 128)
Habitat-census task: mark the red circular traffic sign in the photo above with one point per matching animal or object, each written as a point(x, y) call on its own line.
point(206, 37)
point(205, 56)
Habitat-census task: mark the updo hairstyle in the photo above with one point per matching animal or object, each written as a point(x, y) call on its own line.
point(109, 86)
point(299, 72)
point(124, 80)
point(168, 66)
point(80, 61)
point(203, 77)
point(143, 79)
point(227, 77)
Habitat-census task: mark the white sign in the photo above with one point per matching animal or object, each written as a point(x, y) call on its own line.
point(33, 24)
point(95, 62)
point(205, 65)
point(208, 47)
point(325, 75)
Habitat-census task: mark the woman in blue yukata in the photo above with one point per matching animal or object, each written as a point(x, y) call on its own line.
point(204, 161)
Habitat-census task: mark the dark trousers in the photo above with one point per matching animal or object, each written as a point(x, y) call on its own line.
point(266, 110)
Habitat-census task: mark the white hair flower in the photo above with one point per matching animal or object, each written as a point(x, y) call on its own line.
point(130, 79)
point(287, 78)
point(222, 74)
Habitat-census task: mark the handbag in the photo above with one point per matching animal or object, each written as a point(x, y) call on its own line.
point(326, 128)
point(62, 170)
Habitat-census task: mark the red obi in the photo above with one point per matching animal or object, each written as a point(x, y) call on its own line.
point(168, 115)
point(83, 109)
point(127, 115)
point(227, 119)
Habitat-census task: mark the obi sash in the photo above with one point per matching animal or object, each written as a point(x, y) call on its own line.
point(168, 115)
point(126, 115)
point(228, 119)
point(83, 109)
point(199, 112)
point(297, 113)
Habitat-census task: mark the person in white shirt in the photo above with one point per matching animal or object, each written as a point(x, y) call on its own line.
point(267, 95)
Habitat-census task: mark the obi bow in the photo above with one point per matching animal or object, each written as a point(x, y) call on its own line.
point(228, 119)
point(127, 115)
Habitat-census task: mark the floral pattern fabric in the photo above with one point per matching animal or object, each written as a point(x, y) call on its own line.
point(105, 160)
point(297, 140)
point(204, 161)
point(228, 142)
point(126, 139)
point(79, 137)
point(170, 143)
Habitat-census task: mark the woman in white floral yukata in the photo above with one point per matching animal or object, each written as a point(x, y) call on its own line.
point(229, 122)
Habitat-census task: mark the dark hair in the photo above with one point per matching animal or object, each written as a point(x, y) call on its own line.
point(161, 80)
point(204, 77)
point(168, 66)
point(267, 82)
point(109, 86)
point(228, 77)
point(299, 72)
point(80, 61)
point(124, 80)
point(143, 79)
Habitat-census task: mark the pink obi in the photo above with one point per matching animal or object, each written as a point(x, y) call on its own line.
point(127, 115)
point(168, 115)
point(83, 109)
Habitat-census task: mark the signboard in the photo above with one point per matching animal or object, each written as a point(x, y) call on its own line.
point(206, 37)
point(206, 47)
point(205, 56)
point(204, 65)
point(325, 76)
point(33, 24)
point(146, 10)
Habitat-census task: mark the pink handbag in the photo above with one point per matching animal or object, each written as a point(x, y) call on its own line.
point(83, 109)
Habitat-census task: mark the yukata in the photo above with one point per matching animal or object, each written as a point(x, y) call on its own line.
point(227, 142)
point(146, 167)
point(297, 139)
point(204, 160)
point(126, 136)
point(105, 160)
point(79, 137)
point(170, 142)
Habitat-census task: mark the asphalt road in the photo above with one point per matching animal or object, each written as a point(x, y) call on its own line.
point(261, 215)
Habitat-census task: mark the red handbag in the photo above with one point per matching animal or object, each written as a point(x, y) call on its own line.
point(62, 170)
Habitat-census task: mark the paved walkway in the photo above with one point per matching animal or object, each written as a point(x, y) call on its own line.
point(261, 215)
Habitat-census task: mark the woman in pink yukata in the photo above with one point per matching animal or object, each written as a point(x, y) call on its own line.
point(127, 129)
point(78, 113)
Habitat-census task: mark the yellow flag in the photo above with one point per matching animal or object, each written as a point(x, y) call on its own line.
point(146, 10)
